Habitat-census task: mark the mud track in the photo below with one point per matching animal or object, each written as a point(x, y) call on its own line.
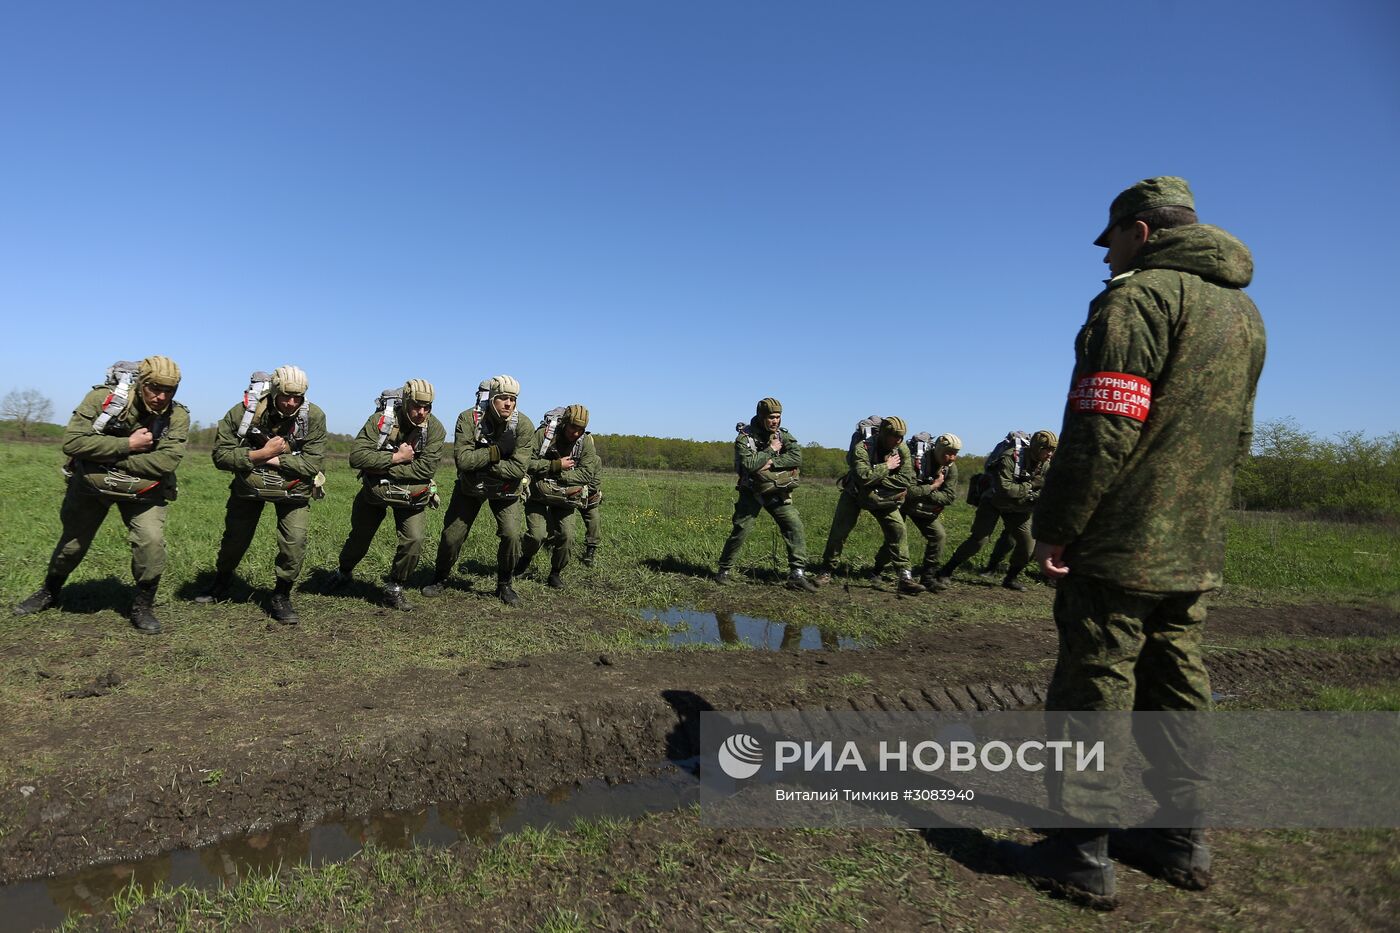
point(141, 777)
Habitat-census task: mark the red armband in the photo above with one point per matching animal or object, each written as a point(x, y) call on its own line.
point(1111, 394)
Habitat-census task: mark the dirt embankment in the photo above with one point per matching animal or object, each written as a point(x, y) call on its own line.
point(142, 777)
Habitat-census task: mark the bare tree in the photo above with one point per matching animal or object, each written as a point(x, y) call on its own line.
point(25, 407)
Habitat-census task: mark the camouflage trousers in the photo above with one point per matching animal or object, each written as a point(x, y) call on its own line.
point(1121, 650)
point(552, 525)
point(746, 509)
point(83, 513)
point(894, 553)
point(592, 525)
point(931, 527)
point(241, 517)
point(1017, 528)
point(366, 514)
point(457, 523)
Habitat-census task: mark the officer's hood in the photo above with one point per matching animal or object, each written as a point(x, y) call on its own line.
point(1199, 249)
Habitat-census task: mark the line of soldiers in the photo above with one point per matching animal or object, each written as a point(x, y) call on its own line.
point(127, 437)
point(893, 484)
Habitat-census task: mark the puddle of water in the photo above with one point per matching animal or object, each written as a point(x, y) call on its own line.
point(43, 904)
point(689, 627)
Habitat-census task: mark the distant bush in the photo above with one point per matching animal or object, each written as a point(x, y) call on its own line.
point(1290, 469)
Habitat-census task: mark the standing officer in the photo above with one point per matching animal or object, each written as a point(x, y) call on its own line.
point(1132, 518)
point(768, 460)
point(1015, 478)
point(397, 455)
point(564, 467)
point(881, 473)
point(935, 490)
point(276, 458)
point(125, 440)
point(492, 450)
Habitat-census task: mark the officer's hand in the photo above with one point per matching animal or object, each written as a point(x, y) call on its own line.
point(506, 444)
point(1051, 558)
point(403, 455)
point(140, 441)
point(893, 461)
point(566, 463)
point(775, 443)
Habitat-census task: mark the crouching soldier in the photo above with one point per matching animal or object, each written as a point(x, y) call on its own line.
point(274, 446)
point(880, 474)
point(1015, 472)
point(768, 460)
point(564, 469)
point(125, 440)
point(397, 453)
point(936, 489)
point(492, 450)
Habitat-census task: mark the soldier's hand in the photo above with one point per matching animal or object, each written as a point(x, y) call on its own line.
point(893, 461)
point(1051, 558)
point(566, 464)
point(937, 482)
point(775, 443)
point(140, 441)
point(269, 451)
point(274, 462)
point(404, 454)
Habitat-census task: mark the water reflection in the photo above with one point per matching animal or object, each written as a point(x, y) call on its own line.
point(689, 627)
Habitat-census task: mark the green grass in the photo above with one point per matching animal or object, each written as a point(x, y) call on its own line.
point(1359, 699)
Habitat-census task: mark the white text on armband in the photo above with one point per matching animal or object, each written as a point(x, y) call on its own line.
point(1111, 394)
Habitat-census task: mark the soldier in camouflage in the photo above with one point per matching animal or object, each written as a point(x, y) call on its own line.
point(398, 463)
point(935, 490)
point(564, 470)
point(768, 460)
point(492, 450)
point(278, 459)
point(127, 457)
point(880, 475)
point(1015, 480)
point(1132, 517)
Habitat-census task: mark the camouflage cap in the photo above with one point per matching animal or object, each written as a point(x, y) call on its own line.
point(1150, 193)
point(946, 442)
point(161, 370)
point(289, 380)
point(769, 406)
point(1041, 440)
point(418, 390)
point(893, 424)
point(505, 385)
point(575, 415)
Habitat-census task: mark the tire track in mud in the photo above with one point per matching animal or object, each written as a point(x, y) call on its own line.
point(506, 748)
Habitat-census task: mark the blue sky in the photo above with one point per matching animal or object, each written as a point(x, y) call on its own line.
point(667, 211)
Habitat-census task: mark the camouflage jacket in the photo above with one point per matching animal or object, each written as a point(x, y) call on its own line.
point(751, 451)
point(308, 454)
point(473, 454)
point(1160, 414)
point(111, 449)
point(867, 470)
point(1015, 482)
point(587, 464)
point(374, 463)
point(924, 498)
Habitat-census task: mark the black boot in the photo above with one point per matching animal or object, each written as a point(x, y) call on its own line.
point(42, 598)
point(798, 580)
point(908, 585)
point(506, 593)
point(217, 590)
point(555, 581)
point(1011, 583)
point(394, 598)
point(280, 606)
point(1178, 856)
point(1073, 863)
point(590, 555)
point(141, 615)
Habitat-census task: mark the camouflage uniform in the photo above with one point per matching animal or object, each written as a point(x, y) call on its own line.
point(300, 468)
point(493, 459)
point(924, 507)
point(871, 486)
point(405, 489)
point(546, 522)
point(1015, 482)
point(590, 511)
point(751, 453)
point(108, 454)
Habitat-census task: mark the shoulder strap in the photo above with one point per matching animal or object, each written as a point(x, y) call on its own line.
point(117, 399)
